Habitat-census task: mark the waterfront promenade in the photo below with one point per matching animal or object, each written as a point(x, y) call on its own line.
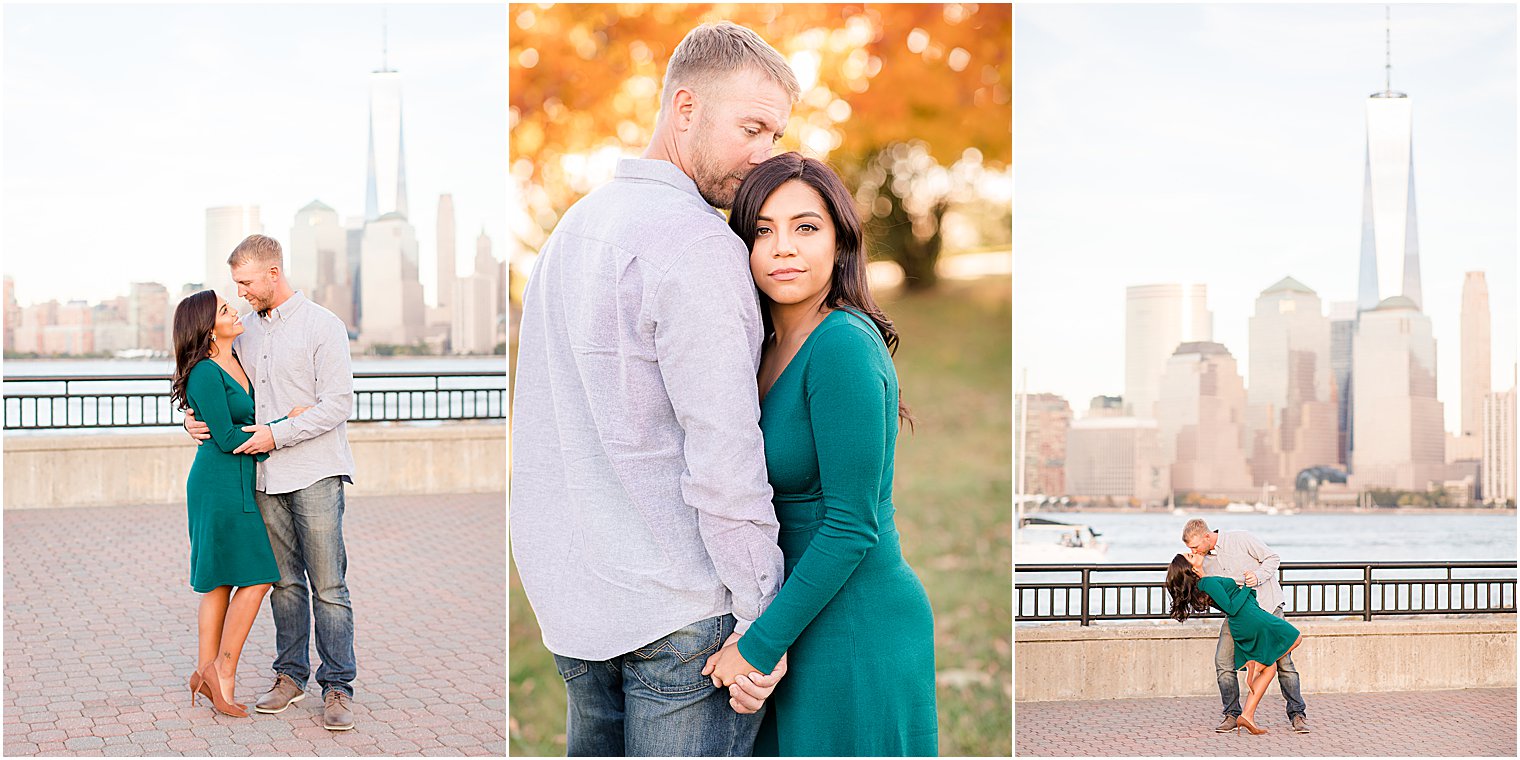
point(100, 636)
point(1467, 723)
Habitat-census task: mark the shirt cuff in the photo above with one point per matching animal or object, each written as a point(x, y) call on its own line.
point(280, 430)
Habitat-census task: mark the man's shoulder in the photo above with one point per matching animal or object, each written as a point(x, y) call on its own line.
point(646, 219)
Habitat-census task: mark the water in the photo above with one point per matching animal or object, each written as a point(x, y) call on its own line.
point(1154, 538)
point(119, 411)
point(94, 367)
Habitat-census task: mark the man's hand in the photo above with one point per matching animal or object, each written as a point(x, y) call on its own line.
point(748, 690)
point(198, 430)
point(1251, 578)
point(262, 440)
point(748, 693)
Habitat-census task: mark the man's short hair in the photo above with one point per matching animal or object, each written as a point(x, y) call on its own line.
point(713, 51)
point(1194, 528)
point(260, 248)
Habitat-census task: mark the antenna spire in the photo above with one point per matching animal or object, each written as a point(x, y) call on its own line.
point(385, 40)
point(1387, 49)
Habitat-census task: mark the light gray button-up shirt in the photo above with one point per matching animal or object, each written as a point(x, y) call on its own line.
point(639, 499)
point(1238, 551)
point(297, 355)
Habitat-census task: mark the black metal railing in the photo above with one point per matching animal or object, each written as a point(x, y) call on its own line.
point(1089, 593)
point(58, 402)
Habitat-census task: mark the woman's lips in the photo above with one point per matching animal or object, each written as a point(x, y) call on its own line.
point(786, 275)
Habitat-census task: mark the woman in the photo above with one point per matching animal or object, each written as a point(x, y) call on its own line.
point(228, 544)
point(851, 616)
point(1260, 637)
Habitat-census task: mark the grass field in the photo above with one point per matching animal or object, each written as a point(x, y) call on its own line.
point(953, 494)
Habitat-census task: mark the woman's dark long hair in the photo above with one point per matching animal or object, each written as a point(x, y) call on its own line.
point(1182, 584)
point(194, 319)
point(848, 286)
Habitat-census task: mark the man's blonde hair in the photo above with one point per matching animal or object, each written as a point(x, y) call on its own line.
point(1194, 528)
point(713, 51)
point(259, 248)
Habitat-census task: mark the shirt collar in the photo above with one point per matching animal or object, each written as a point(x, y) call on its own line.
point(284, 310)
point(663, 172)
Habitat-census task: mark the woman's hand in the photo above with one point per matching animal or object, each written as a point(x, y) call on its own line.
point(727, 665)
point(297, 411)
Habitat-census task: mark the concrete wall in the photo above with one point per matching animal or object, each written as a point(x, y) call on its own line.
point(1068, 661)
point(83, 470)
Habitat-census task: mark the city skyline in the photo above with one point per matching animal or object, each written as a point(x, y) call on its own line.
point(203, 129)
point(1138, 166)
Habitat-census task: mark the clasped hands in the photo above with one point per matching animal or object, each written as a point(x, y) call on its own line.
point(747, 687)
point(261, 441)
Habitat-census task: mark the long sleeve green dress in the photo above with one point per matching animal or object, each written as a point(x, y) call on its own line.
point(851, 614)
point(1259, 635)
point(228, 543)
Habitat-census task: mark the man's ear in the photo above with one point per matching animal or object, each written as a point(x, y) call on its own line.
point(683, 106)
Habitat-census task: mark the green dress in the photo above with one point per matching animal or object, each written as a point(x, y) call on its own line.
point(228, 543)
point(851, 614)
point(1259, 635)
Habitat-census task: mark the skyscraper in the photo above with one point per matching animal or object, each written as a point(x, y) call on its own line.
point(12, 314)
point(487, 266)
point(149, 316)
point(385, 188)
point(1476, 369)
point(1390, 258)
point(392, 300)
point(318, 259)
point(1157, 318)
point(1201, 416)
point(1290, 416)
point(1116, 457)
point(446, 258)
point(1498, 476)
point(1400, 438)
point(226, 226)
point(1044, 441)
point(1342, 336)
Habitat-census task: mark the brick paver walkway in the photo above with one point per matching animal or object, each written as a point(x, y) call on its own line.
point(100, 636)
point(1469, 722)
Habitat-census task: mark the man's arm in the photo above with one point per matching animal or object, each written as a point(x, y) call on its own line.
point(706, 333)
point(1266, 560)
point(333, 370)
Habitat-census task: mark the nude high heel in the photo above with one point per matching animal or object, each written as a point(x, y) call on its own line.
point(1249, 726)
point(217, 703)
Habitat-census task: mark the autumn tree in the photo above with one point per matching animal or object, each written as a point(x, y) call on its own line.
point(909, 102)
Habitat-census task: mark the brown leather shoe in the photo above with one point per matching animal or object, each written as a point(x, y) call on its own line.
point(336, 715)
point(1227, 726)
point(1300, 726)
point(284, 693)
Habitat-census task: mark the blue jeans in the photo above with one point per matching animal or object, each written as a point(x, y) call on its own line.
point(1229, 686)
point(655, 700)
point(306, 532)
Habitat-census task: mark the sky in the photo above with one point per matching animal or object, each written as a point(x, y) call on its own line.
point(1225, 144)
point(124, 123)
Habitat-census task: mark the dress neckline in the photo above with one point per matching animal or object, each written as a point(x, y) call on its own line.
point(246, 391)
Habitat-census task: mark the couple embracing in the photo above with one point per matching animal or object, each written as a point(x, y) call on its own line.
point(1236, 573)
point(702, 505)
point(267, 396)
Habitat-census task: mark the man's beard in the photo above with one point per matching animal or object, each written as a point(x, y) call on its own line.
point(712, 179)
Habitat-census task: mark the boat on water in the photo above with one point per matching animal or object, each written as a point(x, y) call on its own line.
point(1040, 541)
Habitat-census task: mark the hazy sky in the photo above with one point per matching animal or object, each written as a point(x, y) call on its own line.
point(1225, 144)
point(123, 123)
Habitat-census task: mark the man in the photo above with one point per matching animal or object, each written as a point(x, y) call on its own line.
point(1242, 556)
point(641, 518)
point(296, 354)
